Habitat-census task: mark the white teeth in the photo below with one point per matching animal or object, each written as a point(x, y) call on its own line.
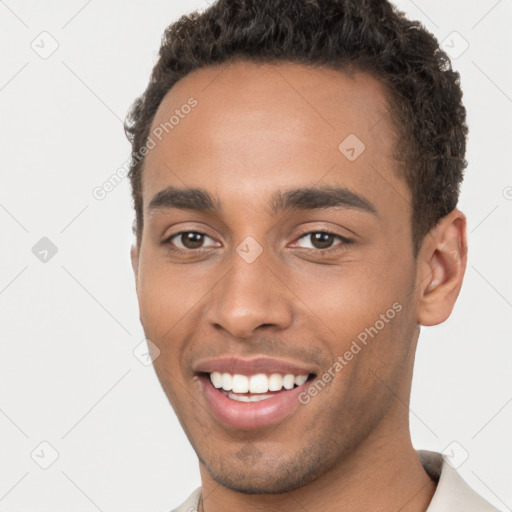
point(300, 379)
point(227, 381)
point(257, 384)
point(275, 382)
point(216, 379)
point(288, 381)
point(240, 384)
point(248, 398)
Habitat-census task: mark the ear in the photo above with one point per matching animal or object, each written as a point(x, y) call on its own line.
point(134, 255)
point(441, 265)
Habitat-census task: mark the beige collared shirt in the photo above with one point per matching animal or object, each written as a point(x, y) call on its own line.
point(452, 494)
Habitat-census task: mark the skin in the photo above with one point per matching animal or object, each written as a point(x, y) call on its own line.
point(258, 129)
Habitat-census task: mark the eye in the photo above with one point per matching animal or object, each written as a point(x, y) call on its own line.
point(322, 240)
point(188, 240)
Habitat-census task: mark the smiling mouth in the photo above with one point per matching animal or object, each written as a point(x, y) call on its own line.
point(252, 401)
point(256, 387)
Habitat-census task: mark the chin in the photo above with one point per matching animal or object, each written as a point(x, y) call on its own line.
point(267, 476)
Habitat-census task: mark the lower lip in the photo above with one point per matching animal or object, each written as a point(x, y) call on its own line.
point(250, 415)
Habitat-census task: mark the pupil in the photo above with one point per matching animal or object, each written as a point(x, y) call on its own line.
point(322, 240)
point(192, 240)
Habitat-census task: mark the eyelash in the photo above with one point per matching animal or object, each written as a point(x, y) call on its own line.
point(341, 246)
point(179, 250)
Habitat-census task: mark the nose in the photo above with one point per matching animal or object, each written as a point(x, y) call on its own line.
point(251, 295)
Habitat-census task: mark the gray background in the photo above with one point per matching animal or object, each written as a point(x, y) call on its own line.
point(69, 324)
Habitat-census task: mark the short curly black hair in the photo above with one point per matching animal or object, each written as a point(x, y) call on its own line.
point(424, 92)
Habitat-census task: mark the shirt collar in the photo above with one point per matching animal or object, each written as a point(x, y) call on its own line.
point(452, 492)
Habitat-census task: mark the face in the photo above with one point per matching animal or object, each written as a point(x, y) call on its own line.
point(289, 258)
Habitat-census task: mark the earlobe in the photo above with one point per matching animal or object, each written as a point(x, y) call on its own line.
point(442, 263)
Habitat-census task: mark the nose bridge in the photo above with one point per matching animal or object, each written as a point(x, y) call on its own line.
point(250, 295)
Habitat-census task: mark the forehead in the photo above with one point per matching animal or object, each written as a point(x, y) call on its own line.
point(244, 127)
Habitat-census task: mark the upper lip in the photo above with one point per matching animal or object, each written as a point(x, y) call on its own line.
point(251, 366)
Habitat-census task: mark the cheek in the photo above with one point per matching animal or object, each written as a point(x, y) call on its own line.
point(167, 296)
point(370, 324)
point(371, 357)
point(350, 298)
point(156, 304)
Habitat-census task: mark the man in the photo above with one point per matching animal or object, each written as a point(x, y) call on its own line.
point(295, 175)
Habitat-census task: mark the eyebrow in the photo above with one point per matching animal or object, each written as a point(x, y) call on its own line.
point(304, 198)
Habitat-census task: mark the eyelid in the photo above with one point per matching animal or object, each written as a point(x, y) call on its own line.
point(344, 240)
point(168, 239)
